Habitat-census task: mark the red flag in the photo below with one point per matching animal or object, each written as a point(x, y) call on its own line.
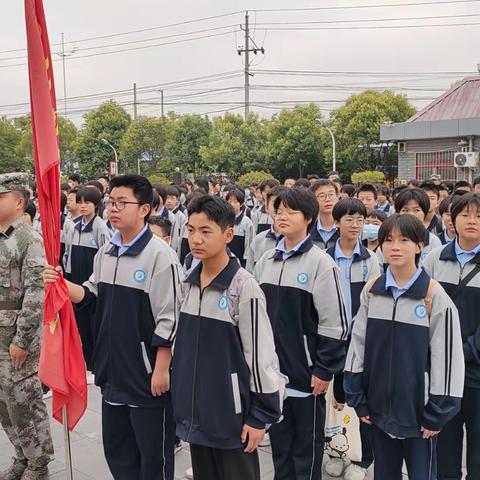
point(61, 361)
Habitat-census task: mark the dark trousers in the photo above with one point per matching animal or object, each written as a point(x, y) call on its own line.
point(450, 440)
point(298, 440)
point(85, 330)
point(367, 448)
point(216, 464)
point(138, 442)
point(389, 453)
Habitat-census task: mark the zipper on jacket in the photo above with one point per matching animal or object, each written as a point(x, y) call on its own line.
point(392, 337)
point(195, 364)
point(110, 322)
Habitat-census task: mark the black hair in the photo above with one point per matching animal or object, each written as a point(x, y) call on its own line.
point(73, 191)
point(31, 209)
point(238, 194)
point(105, 177)
point(333, 172)
point(63, 201)
point(274, 192)
point(382, 189)
point(349, 189)
point(89, 194)
point(450, 185)
point(313, 176)
point(202, 183)
point(95, 183)
point(217, 209)
point(414, 182)
point(410, 227)
point(415, 194)
point(229, 187)
point(271, 182)
point(65, 187)
point(302, 183)
point(324, 182)
point(161, 190)
point(397, 190)
point(173, 191)
point(141, 187)
point(462, 183)
point(461, 202)
point(299, 199)
point(430, 187)
point(155, 200)
point(443, 188)
point(367, 187)
point(164, 223)
point(476, 180)
point(348, 206)
point(378, 214)
point(191, 196)
point(445, 204)
point(75, 177)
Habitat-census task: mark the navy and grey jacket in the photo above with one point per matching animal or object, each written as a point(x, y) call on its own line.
point(261, 220)
point(443, 266)
point(183, 247)
point(364, 268)
point(307, 312)
point(178, 225)
point(225, 371)
point(244, 232)
point(136, 301)
point(405, 368)
point(81, 246)
point(318, 239)
point(262, 243)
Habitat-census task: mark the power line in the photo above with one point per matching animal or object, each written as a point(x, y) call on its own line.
point(352, 7)
point(358, 72)
point(375, 27)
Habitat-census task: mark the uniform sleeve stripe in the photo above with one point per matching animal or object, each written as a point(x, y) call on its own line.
point(252, 322)
point(450, 349)
point(256, 348)
point(341, 306)
point(174, 283)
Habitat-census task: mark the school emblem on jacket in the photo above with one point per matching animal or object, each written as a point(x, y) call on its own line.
point(223, 302)
point(420, 311)
point(139, 275)
point(302, 278)
point(93, 243)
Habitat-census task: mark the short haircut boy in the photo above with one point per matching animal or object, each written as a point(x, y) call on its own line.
point(164, 223)
point(378, 214)
point(271, 182)
point(172, 190)
point(323, 183)
point(348, 189)
point(348, 206)
point(367, 187)
point(429, 187)
point(141, 187)
point(412, 194)
point(216, 209)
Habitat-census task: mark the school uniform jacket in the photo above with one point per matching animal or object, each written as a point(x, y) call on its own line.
point(244, 233)
point(81, 246)
point(405, 369)
point(442, 265)
point(225, 371)
point(136, 300)
point(261, 220)
point(318, 239)
point(178, 225)
point(263, 242)
point(364, 268)
point(307, 312)
point(183, 247)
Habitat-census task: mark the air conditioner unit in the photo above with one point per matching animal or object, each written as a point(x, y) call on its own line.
point(466, 159)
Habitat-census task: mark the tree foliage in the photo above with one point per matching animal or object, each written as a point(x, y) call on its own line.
point(110, 121)
point(253, 177)
point(356, 126)
point(10, 136)
point(368, 177)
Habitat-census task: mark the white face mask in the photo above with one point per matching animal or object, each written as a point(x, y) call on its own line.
point(370, 232)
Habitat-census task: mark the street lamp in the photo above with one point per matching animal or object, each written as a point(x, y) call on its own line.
point(334, 159)
point(106, 142)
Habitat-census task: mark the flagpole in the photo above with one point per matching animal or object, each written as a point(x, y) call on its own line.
point(68, 451)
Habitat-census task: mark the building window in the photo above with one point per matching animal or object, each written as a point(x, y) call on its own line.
point(439, 163)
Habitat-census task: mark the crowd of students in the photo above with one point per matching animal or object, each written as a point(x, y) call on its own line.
point(221, 315)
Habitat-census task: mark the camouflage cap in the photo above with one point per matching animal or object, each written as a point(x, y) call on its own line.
point(13, 182)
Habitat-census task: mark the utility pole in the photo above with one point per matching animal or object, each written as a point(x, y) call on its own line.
point(161, 102)
point(134, 101)
point(246, 50)
point(64, 55)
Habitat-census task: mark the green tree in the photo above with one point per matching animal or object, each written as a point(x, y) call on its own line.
point(186, 134)
point(248, 178)
point(67, 132)
point(295, 143)
point(109, 121)
point(145, 138)
point(356, 126)
point(9, 139)
point(234, 146)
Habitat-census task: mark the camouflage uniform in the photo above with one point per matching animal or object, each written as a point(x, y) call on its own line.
point(23, 414)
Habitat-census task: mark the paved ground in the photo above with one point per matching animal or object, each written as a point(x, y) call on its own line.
point(87, 452)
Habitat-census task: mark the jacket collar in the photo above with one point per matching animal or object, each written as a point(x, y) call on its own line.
point(357, 257)
point(221, 282)
point(88, 226)
point(304, 248)
point(419, 288)
point(135, 249)
point(448, 253)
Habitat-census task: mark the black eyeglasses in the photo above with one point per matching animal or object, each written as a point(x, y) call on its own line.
point(119, 204)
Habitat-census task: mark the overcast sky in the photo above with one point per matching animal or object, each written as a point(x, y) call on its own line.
point(327, 47)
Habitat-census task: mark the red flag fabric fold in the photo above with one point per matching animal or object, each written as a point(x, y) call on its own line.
point(62, 367)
